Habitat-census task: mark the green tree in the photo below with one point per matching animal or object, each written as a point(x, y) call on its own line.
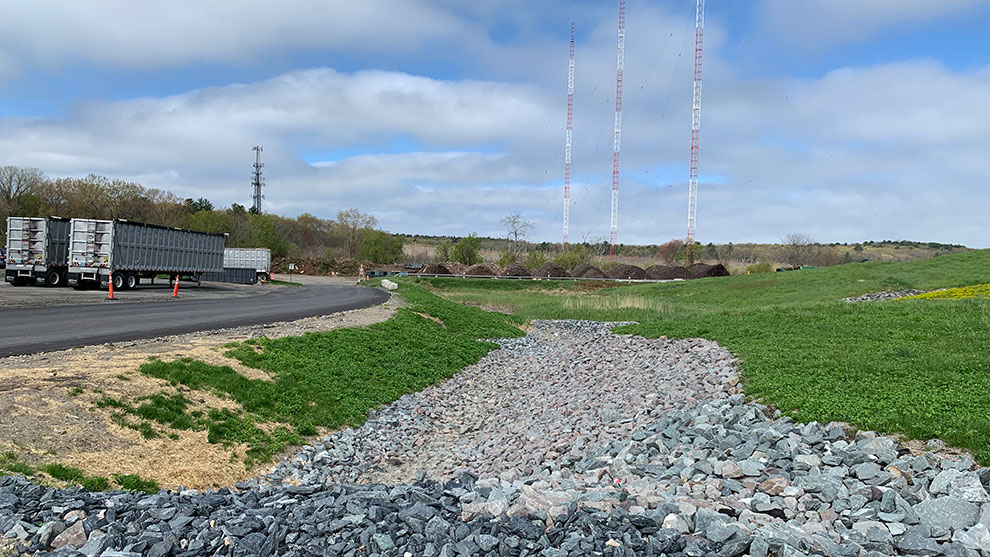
point(380, 247)
point(506, 258)
point(535, 259)
point(466, 250)
point(444, 251)
point(197, 205)
point(573, 257)
point(352, 225)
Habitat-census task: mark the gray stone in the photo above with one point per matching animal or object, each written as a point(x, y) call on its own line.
point(915, 543)
point(968, 486)
point(866, 470)
point(947, 512)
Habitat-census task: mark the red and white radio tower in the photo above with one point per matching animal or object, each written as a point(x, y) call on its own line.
point(567, 139)
point(699, 34)
point(620, 59)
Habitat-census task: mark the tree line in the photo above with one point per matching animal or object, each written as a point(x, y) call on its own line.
point(28, 192)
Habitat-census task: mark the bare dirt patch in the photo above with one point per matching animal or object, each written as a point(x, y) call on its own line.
point(50, 412)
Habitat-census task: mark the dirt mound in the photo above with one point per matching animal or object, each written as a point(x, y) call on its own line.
point(516, 270)
point(701, 270)
point(664, 272)
point(623, 271)
point(482, 270)
point(586, 270)
point(550, 269)
point(456, 267)
point(436, 269)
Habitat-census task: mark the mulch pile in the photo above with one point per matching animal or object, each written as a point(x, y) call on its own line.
point(700, 270)
point(550, 269)
point(586, 270)
point(436, 269)
point(482, 270)
point(623, 271)
point(664, 272)
point(516, 270)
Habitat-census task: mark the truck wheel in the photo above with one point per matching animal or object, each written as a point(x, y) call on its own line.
point(262, 277)
point(118, 281)
point(130, 281)
point(53, 278)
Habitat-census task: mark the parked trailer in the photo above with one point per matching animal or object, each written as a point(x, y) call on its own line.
point(246, 275)
point(37, 250)
point(245, 258)
point(131, 251)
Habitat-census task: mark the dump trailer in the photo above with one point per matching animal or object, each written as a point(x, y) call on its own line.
point(260, 259)
point(37, 250)
point(243, 266)
point(131, 251)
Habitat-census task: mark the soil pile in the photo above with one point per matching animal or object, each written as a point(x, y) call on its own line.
point(456, 267)
point(623, 271)
point(436, 269)
point(482, 270)
point(586, 270)
point(550, 269)
point(701, 270)
point(664, 272)
point(516, 270)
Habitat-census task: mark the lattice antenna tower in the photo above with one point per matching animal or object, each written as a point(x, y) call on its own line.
point(699, 34)
point(257, 180)
point(567, 139)
point(619, 63)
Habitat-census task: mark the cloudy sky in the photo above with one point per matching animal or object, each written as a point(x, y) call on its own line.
point(843, 119)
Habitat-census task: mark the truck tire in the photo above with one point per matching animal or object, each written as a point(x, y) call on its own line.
point(54, 277)
point(118, 281)
point(130, 281)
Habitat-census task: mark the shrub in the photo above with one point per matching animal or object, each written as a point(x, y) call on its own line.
point(535, 260)
point(761, 267)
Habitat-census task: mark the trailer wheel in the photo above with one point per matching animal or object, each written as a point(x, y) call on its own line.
point(118, 281)
point(130, 281)
point(54, 278)
point(262, 277)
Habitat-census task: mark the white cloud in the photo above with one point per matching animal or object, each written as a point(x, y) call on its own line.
point(122, 33)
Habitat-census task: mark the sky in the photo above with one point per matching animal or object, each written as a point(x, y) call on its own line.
point(841, 119)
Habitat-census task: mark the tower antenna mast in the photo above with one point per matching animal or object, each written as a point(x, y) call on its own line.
point(699, 34)
point(257, 181)
point(567, 139)
point(619, 63)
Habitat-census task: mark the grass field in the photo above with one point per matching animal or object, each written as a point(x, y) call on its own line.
point(320, 380)
point(916, 367)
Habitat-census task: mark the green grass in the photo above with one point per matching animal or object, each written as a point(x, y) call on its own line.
point(916, 367)
point(10, 464)
point(324, 380)
point(133, 482)
point(284, 283)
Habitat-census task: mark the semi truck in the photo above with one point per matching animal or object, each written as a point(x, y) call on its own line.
point(127, 252)
point(37, 251)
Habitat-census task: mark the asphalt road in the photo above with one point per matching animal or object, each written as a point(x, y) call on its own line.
point(26, 331)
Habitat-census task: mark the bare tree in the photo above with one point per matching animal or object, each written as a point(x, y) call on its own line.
point(518, 228)
point(798, 248)
point(667, 252)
